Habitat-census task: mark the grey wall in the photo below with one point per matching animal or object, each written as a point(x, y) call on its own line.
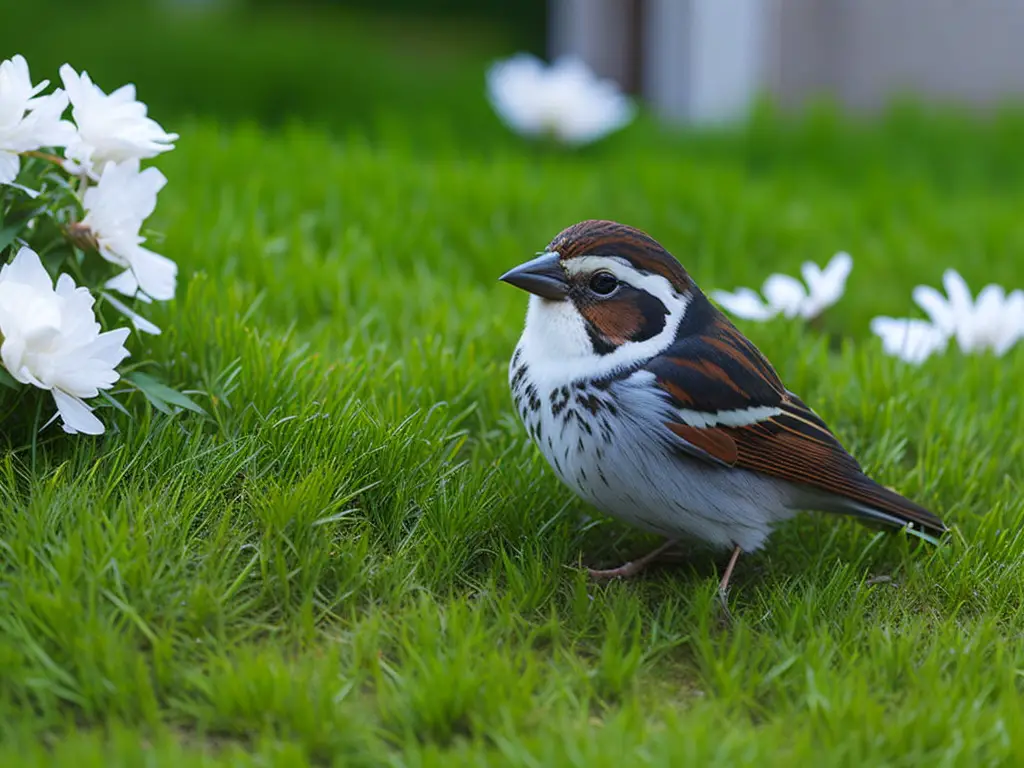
point(695, 64)
point(864, 52)
point(595, 30)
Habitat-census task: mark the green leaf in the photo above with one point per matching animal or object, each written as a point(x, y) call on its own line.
point(7, 381)
point(106, 396)
point(160, 395)
point(8, 233)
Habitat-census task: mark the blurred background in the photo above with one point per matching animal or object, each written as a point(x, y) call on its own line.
point(349, 62)
point(796, 81)
point(707, 60)
point(355, 64)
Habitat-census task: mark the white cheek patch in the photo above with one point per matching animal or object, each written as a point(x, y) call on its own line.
point(555, 341)
point(555, 330)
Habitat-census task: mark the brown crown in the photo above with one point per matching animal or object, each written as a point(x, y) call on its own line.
point(595, 237)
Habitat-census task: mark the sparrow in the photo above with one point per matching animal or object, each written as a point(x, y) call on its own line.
point(654, 408)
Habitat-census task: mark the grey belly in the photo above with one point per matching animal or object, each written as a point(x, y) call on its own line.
point(627, 468)
point(677, 496)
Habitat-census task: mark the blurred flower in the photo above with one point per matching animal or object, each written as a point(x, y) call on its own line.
point(788, 296)
point(27, 121)
point(995, 321)
point(111, 128)
point(114, 211)
point(745, 303)
point(51, 340)
point(565, 100)
point(911, 340)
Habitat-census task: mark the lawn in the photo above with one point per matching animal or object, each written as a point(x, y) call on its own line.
point(359, 558)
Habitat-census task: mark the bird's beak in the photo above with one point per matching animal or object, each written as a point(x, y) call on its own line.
point(542, 277)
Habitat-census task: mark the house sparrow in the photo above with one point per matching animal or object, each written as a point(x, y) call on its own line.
point(652, 406)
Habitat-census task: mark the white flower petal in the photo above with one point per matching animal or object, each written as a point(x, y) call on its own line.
point(109, 348)
point(12, 351)
point(835, 274)
point(993, 322)
point(157, 275)
point(824, 287)
point(936, 307)
point(812, 274)
point(115, 210)
point(15, 82)
point(27, 268)
point(35, 316)
point(124, 283)
point(1015, 320)
point(9, 165)
point(565, 100)
point(111, 128)
point(511, 86)
point(76, 415)
point(140, 323)
point(839, 267)
point(27, 121)
point(911, 340)
point(745, 303)
point(51, 339)
point(31, 193)
point(784, 294)
point(43, 127)
point(989, 304)
point(959, 294)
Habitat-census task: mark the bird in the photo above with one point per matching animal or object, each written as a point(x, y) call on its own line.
point(652, 406)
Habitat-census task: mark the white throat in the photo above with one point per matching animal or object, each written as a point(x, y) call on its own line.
point(555, 343)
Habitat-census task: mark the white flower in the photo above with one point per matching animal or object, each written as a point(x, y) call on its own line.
point(995, 321)
point(114, 211)
point(51, 340)
point(27, 121)
point(911, 340)
point(111, 128)
point(565, 100)
point(788, 296)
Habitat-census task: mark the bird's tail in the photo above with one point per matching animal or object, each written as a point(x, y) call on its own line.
point(871, 501)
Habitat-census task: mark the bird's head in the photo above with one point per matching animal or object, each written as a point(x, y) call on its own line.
point(603, 291)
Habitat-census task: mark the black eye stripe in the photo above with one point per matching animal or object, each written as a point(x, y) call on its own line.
point(654, 313)
point(601, 345)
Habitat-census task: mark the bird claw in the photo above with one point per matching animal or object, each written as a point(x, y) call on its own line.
point(633, 567)
point(626, 571)
point(723, 603)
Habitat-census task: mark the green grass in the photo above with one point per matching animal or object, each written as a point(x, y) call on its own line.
point(359, 559)
point(335, 68)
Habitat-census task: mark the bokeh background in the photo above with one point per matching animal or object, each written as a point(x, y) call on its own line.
point(412, 71)
point(354, 65)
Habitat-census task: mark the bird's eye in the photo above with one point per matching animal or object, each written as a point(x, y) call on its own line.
point(603, 283)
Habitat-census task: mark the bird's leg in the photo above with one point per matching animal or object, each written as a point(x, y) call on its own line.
point(723, 585)
point(633, 567)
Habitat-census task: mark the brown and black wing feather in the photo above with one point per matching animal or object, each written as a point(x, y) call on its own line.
point(712, 368)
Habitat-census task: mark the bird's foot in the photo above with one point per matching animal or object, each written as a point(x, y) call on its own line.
point(723, 586)
point(723, 604)
point(632, 568)
point(625, 571)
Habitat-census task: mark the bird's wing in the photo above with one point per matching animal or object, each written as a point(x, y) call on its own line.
point(729, 407)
